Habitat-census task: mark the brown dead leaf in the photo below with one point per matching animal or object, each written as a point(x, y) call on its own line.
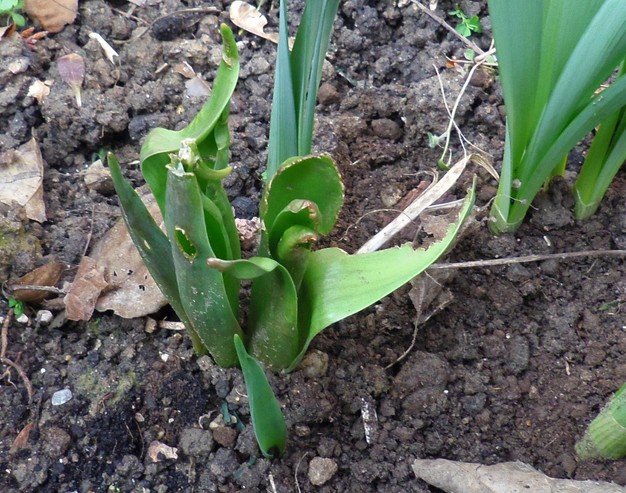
point(21, 440)
point(21, 175)
point(81, 298)
point(247, 17)
point(45, 276)
point(133, 293)
point(53, 16)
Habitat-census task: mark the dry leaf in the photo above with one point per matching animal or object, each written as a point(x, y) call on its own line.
point(47, 275)
point(85, 290)
point(52, 15)
point(133, 293)
point(39, 90)
point(508, 477)
point(21, 440)
point(247, 17)
point(21, 175)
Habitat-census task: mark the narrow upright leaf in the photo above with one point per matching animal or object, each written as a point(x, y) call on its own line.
point(267, 418)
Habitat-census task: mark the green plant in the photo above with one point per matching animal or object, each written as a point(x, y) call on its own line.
point(605, 437)
point(296, 292)
point(553, 56)
point(18, 307)
point(11, 9)
point(606, 155)
point(467, 25)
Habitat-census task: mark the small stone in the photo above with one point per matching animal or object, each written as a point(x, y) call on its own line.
point(60, 397)
point(386, 129)
point(321, 470)
point(44, 317)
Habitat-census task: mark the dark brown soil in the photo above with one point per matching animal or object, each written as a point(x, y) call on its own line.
point(513, 369)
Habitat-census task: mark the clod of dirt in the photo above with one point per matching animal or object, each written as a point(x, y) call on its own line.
point(321, 470)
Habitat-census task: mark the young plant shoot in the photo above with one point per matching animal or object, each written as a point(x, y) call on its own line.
point(605, 437)
point(296, 291)
point(553, 55)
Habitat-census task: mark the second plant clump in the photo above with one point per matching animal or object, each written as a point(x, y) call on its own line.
point(296, 291)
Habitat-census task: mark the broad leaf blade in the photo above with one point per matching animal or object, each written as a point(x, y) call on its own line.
point(201, 288)
point(312, 178)
point(337, 285)
point(267, 418)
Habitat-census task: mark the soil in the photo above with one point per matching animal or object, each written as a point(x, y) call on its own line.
point(513, 369)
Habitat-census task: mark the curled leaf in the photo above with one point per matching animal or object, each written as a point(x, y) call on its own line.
point(247, 17)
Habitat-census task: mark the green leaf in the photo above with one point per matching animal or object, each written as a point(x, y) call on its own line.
point(552, 55)
point(311, 178)
point(296, 82)
point(201, 288)
point(272, 318)
point(267, 418)
point(283, 139)
point(19, 19)
point(605, 437)
point(337, 285)
point(161, 142)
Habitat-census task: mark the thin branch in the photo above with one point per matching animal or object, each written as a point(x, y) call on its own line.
point(528, 258)
point(443, 23)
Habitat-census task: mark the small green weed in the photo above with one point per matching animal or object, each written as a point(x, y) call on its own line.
point(467, 25)
point(11, 9)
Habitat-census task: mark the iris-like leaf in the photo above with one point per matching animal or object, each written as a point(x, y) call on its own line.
point(212, 117)
point(553, 55)
point(297, 81)
point(201, 288)
point(267, 418)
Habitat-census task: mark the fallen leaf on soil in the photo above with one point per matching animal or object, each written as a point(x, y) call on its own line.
point(81, 298)
point(247, 17)
point(508, 477)
point(46, 275)
point(39, 90)
point(21, 175)
point(21, 440)
point(132, 292)
point(53, 16)
point(158, 451)
point(72, 70)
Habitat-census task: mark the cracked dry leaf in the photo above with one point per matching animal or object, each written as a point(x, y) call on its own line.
point(21, 175)
point(132, 292)
point(53, 16)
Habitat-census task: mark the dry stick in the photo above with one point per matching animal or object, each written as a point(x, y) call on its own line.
point(7, 361)
point(528, 258)
point(432, 193)
point(439, 20)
